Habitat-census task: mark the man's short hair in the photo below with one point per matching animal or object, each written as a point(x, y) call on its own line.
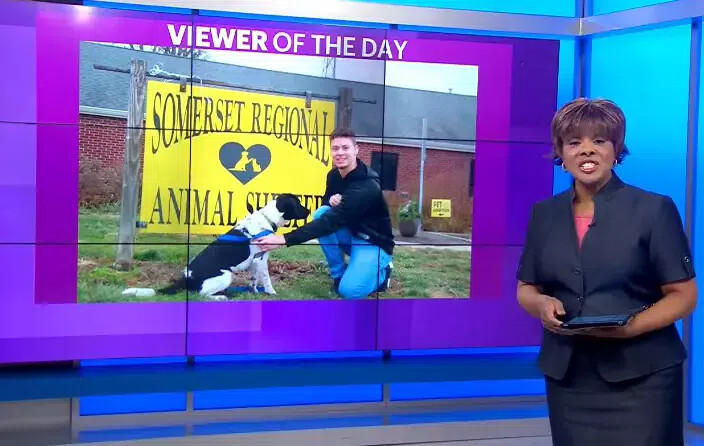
point(343, 132)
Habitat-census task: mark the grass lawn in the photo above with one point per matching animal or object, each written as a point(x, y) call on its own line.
point(297, 273)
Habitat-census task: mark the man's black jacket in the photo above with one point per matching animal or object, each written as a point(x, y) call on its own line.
point(363, 210)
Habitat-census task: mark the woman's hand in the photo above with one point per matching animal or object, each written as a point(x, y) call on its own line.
point(551, 310)
point(546, 308)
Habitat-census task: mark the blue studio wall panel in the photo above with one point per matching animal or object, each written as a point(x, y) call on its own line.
point(566, 73)
point(131, 403)
point(696, 352)
point(647, 74)
point(286, 396)
point(465, 389)
point(562, 8)
point(565, 92)
point(137, 403)
point(607, 6)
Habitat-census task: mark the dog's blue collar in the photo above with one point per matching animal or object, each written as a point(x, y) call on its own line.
point(243, 238)
point(262, 234)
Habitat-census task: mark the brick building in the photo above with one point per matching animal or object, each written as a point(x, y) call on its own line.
point(387, 121)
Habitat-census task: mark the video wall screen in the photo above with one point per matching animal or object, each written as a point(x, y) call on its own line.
point(196, 185)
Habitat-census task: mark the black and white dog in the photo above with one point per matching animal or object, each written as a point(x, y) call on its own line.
point(211, 272)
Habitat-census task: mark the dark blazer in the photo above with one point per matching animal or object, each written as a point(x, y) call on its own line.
point(635, 244)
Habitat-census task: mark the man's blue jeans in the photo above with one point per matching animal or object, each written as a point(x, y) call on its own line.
point(366, 269)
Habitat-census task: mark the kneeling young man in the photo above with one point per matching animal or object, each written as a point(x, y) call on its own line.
point(354, 221)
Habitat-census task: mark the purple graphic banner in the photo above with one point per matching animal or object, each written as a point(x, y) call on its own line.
point(39, 317)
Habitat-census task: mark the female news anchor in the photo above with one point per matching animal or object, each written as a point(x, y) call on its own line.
point(604, 247)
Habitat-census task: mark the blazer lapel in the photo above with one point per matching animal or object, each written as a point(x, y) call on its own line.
point(565, 223)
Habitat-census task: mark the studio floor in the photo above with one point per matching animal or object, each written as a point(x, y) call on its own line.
point(472, 423)
point(525, 432)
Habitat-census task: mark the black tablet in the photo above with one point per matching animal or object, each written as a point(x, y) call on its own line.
point(611, 320)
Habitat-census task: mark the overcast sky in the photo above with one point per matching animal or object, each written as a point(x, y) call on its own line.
point(445, 78)
point(458, 79)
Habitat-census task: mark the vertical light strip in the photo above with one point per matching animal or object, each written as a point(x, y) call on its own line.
point(690, 194)
point(695, 328)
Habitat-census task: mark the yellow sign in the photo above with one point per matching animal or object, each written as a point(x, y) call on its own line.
point(212, 156)
point(441, 208)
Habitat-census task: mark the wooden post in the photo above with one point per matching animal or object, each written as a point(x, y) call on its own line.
point(344, 118)
point(130, 174)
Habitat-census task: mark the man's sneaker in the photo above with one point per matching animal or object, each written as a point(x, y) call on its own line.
point(386, 284)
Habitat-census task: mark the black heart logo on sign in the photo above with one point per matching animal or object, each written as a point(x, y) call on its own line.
point(245, 164)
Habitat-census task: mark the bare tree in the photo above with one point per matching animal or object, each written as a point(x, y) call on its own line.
point(172, 51)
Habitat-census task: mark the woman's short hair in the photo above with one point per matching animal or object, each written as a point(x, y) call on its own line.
point(584, 117)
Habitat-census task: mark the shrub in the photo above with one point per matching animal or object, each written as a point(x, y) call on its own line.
point(409, 211)
point(98, 184)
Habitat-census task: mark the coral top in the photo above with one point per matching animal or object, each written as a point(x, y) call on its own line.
point(582, 223)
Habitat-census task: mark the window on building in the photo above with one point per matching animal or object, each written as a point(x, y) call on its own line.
point(386, 165)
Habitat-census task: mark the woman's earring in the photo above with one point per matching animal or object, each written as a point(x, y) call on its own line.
point(615, 163)
point(563, 167)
